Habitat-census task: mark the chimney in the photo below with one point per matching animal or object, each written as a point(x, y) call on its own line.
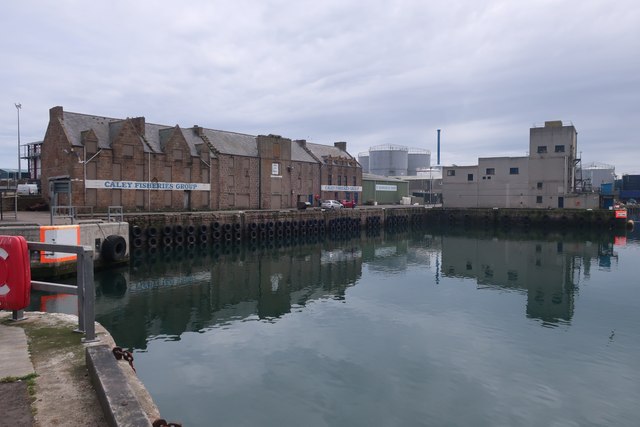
point(438, 147)
point(342, 145)
point(56, 113)
point(197, 130)
point(301, 142)
point(138, 123)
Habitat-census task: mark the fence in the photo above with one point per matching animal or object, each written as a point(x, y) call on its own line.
point(114, 213)
point(85, 289)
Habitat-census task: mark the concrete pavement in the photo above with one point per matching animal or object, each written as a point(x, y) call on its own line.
point(61, 392)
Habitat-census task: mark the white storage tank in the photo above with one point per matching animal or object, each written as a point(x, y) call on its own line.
point(418, 159)
point(388, 160)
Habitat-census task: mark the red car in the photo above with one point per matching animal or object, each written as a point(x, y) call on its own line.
point(348, 203)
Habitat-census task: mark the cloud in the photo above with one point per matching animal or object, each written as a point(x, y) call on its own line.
point(384, 72)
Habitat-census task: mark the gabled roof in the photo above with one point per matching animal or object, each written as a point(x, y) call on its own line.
point(299, 154)
point(107, 129)
point(236, 144)
point(321, 151)
point(76, 123)
point(152, 136)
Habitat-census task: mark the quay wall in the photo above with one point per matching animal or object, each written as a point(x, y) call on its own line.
point(156, 230)
point(114, 242)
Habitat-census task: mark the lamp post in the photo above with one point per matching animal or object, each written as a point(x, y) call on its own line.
point(18, 107)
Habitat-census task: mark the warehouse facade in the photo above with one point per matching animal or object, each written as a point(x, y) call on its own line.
point(149, 167)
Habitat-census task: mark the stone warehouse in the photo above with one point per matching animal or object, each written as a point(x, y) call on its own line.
point(149, 167)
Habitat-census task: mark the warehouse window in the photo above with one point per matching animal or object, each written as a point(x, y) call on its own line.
point(490, 171)
point(470, 177)
point(451, 172)
point(542, 149)
point(514, 171)
point(538, 199)
point(539, 186)
point(559, 148)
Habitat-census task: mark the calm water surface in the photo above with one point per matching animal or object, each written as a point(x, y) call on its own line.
point(456, 329)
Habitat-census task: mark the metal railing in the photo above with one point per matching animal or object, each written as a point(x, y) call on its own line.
point(63, 212)
point(85, 289)
point(115, 213)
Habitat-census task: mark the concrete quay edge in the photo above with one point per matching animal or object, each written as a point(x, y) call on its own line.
point(127, 403)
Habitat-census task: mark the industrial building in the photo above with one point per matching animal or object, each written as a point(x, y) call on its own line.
point(546, 178)
point(630, 188)
point(383, 190)
point(98, 162)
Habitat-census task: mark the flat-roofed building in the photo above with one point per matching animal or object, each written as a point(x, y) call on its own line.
point(546, 178)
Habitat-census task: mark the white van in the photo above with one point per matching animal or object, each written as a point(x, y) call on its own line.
point(26, 189)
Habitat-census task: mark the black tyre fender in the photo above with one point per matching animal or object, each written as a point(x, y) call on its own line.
point(114, 248)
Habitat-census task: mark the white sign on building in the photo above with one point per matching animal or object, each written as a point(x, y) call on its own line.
point(383, 187)
point(356, 188)
point(146, 185)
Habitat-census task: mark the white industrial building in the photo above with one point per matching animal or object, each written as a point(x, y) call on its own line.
point(546, 178)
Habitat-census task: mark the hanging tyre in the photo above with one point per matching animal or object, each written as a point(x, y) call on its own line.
point(113, 249)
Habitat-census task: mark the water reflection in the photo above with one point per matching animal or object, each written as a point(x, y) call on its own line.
point(169, 293)
point(173, 292)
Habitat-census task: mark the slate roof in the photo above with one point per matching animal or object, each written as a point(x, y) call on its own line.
point(321, 151)
point(156, 136)
point(299, 154)
point(76, 123)
point(236, 144)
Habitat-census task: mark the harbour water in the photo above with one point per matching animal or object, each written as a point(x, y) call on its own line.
point(431, 328)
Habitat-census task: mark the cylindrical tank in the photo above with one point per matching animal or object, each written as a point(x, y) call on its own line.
point(363, 159)
point(388, 160)
point(597, 174)
point(418, 158)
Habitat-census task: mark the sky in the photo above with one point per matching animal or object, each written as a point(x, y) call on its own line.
point(366, 72)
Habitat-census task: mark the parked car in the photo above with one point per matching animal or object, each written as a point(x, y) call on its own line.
point(331, 204)
point(348, 203)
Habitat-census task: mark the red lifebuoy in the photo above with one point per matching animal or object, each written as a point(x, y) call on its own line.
point(15, 273)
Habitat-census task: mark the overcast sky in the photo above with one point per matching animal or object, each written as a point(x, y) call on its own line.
point(366, 72)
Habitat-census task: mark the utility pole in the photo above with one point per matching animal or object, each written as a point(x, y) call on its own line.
point(18, 107)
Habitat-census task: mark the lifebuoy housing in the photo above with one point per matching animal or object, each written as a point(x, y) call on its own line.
point(15, 273)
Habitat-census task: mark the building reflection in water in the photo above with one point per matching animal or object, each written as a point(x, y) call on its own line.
point(548, 269)
point(165, 295)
